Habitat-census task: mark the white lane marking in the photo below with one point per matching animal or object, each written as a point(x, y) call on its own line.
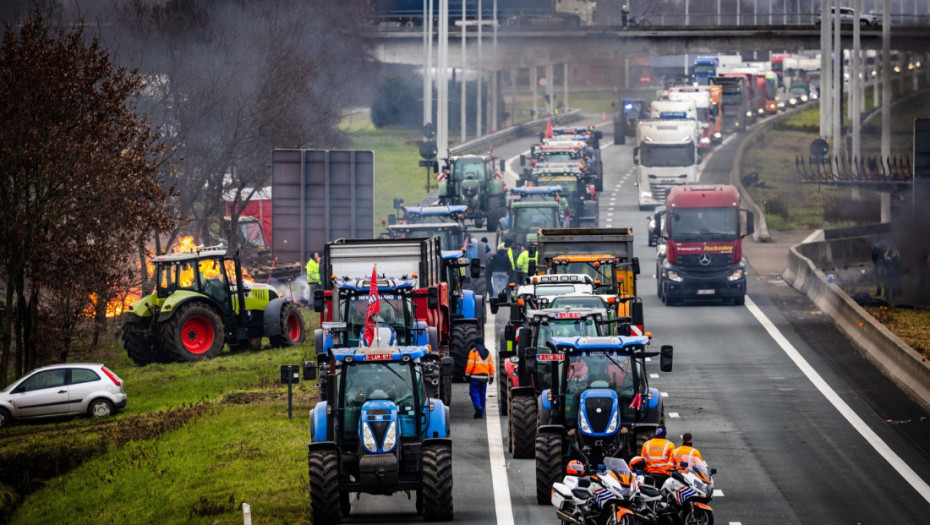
point(844, 409)
point(673, 414)
point(718, 493)
point(500, 486)
point(663, 394)
point(653, 376)
point(648, 359)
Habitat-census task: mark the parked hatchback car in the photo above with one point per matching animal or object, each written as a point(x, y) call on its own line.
point(62, 390)
point(848, 17)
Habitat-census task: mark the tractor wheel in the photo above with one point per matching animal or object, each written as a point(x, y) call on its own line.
point(436, 483)
point(193, 333)
point(495, 211)
point(292, 328)
point(502, 393)
point(463, 337)
point(548, 465)
point(523, 420)
point(345, 503)
point(139, 347)
point(325, 499)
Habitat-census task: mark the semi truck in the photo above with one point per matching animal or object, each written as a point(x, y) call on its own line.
point(703, 227)
point(665, 156)
point(734, 103)
point(707, 114)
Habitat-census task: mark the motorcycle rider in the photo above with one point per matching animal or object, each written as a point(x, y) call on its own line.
point(686, 453)
point(659, 454)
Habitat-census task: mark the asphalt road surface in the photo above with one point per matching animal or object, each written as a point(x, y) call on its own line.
point(800, 427)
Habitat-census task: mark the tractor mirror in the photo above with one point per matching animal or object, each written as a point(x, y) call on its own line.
point(750, 223)
point(432, 298)
point(531, 266)
point(475, 268)
point(392, 219)
point(636, 313)
point(309, 370)
point(447, 366)
point(318, 300)
point(665, 359)
point(510, 332)
point(636, 155)
point(503, 166)
point(635, 265)
point(398, 204)
point(522, 160)
point(524, 335)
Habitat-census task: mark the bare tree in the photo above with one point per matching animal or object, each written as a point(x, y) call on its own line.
point(80, 171)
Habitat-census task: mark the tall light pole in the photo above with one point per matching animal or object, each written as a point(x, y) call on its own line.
point(496, 78)
point(428, 63)
point(462, 81)
point(442, 109)
point(480, 69)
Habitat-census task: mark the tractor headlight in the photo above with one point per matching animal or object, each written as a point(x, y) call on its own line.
point(761, 111)
point(673, 276)
point(736, 275)
point(368, 439)
point(390, 437)
point(614, 422)
point(705, 140)
point(583, 423)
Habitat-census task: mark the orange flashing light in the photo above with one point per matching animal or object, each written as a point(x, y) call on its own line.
point(520, 302)
point(597, 264)
point(649, 335)
point(611, 300)
point(413, 275)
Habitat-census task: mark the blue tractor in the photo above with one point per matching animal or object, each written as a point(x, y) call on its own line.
point(467, 310)
point(376, 430)
point(598, 403)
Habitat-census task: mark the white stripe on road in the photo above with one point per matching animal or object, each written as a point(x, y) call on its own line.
point(653, 376)
point(845, 410)
point(673, 414)
point(663, 394)
point(500, 486)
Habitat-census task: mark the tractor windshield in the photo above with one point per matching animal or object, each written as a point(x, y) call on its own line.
point(204, 275)
point(470, 168)
point(565, 328)
point(395, 313)
point(578, 301)
point(618, 372)
point(449, 238)
point(532, 219)
point(396, 381)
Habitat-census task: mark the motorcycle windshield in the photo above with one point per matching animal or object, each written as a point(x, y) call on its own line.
point(699, 468)
point(617, 465)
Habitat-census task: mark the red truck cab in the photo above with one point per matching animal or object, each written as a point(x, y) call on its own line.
point(703, 227)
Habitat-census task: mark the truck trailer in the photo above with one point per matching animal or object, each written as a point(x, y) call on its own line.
point(665, 156)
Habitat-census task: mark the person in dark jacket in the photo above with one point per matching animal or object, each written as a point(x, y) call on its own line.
point(499, 268)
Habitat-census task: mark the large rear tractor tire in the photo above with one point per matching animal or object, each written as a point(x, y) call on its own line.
point(292, 328)
point(139, 346)
point(495, 211)
point(523, 420)
point(436, 483)
point(548, 465)
point(194, 333)
point(325, 500)
point(463, 337)
point(502, 401)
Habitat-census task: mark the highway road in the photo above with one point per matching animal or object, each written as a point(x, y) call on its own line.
point(800, 427)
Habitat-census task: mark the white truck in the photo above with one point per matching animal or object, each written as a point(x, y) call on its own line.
point(665, 156)
point(705, 113)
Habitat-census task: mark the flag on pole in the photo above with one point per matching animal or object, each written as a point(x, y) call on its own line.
point(549, 128)
point(637, 402)
point(374, 307)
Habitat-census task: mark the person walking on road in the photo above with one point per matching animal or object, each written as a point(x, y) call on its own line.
point(500, 269)
point(480, 373)
point(686, 453)
point(659, 454)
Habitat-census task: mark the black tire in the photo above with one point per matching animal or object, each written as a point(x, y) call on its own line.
point(698, 516)
point(436, 483)
point(195, 332)
point(140, 348)
point(345, 503)
point(292, 328)
point(739, 300)
point(548, 465)
point(523, 421)
point(324, 486)
point(495, 211)
point(5, 417)
point(463, 337)
point(502, 382)
point(445, 390)
point(100, 408)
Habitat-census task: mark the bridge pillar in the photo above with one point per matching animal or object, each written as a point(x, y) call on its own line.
point(565, 85)
point(533, 82)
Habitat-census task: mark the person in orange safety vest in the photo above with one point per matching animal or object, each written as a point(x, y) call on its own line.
point(480, 373)
point(659, 454)
point(686, 453)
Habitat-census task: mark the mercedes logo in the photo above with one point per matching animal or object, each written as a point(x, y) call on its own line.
point(704, 259)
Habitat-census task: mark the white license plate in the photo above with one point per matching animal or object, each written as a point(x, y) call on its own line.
point(706, 292)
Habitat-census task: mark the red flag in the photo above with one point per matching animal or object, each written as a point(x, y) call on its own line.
point(637, 402)
point(374, 307)
point(549, 128)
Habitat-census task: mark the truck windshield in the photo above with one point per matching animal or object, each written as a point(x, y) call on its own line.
point(704, 70)
point(666, 155)
point(706, 223)
point(732, 96)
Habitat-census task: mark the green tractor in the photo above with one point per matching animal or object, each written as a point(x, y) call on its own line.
point(474, 181)
point(197, 307)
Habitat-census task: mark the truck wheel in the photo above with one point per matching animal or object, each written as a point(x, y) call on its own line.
point(292, 328)
point(463, 337)
point(436, 483)
point(324, 486)
point(495, 211)
point(548, 465)
point(139, 347)
point(193, 333)
point(523, 419)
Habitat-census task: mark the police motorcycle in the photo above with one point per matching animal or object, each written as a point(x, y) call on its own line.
point(602, 498)
point(683, 497)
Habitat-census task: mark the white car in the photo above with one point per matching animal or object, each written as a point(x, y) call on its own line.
point(848, 17)
point(62, 390)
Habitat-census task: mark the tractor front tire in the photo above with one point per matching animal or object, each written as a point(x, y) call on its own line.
point(463, 337)
point(523, 421)
point(139, 347)
point(548, 465)
point(495, 211)
point(193, 333)
point(436, 482)
point(325, 499)
point(292, 328)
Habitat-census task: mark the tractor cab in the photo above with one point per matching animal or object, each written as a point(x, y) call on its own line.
point(451, 234)
point(397, 311)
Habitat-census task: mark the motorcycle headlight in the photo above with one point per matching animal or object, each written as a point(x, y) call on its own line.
point(583, 423)
point(673, 276)
point(368, 439)
point(736, 275)
point(614, 422)
point(390, 438)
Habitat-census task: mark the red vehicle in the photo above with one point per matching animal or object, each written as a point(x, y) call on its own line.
point(703, 227)
point(756, 92)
